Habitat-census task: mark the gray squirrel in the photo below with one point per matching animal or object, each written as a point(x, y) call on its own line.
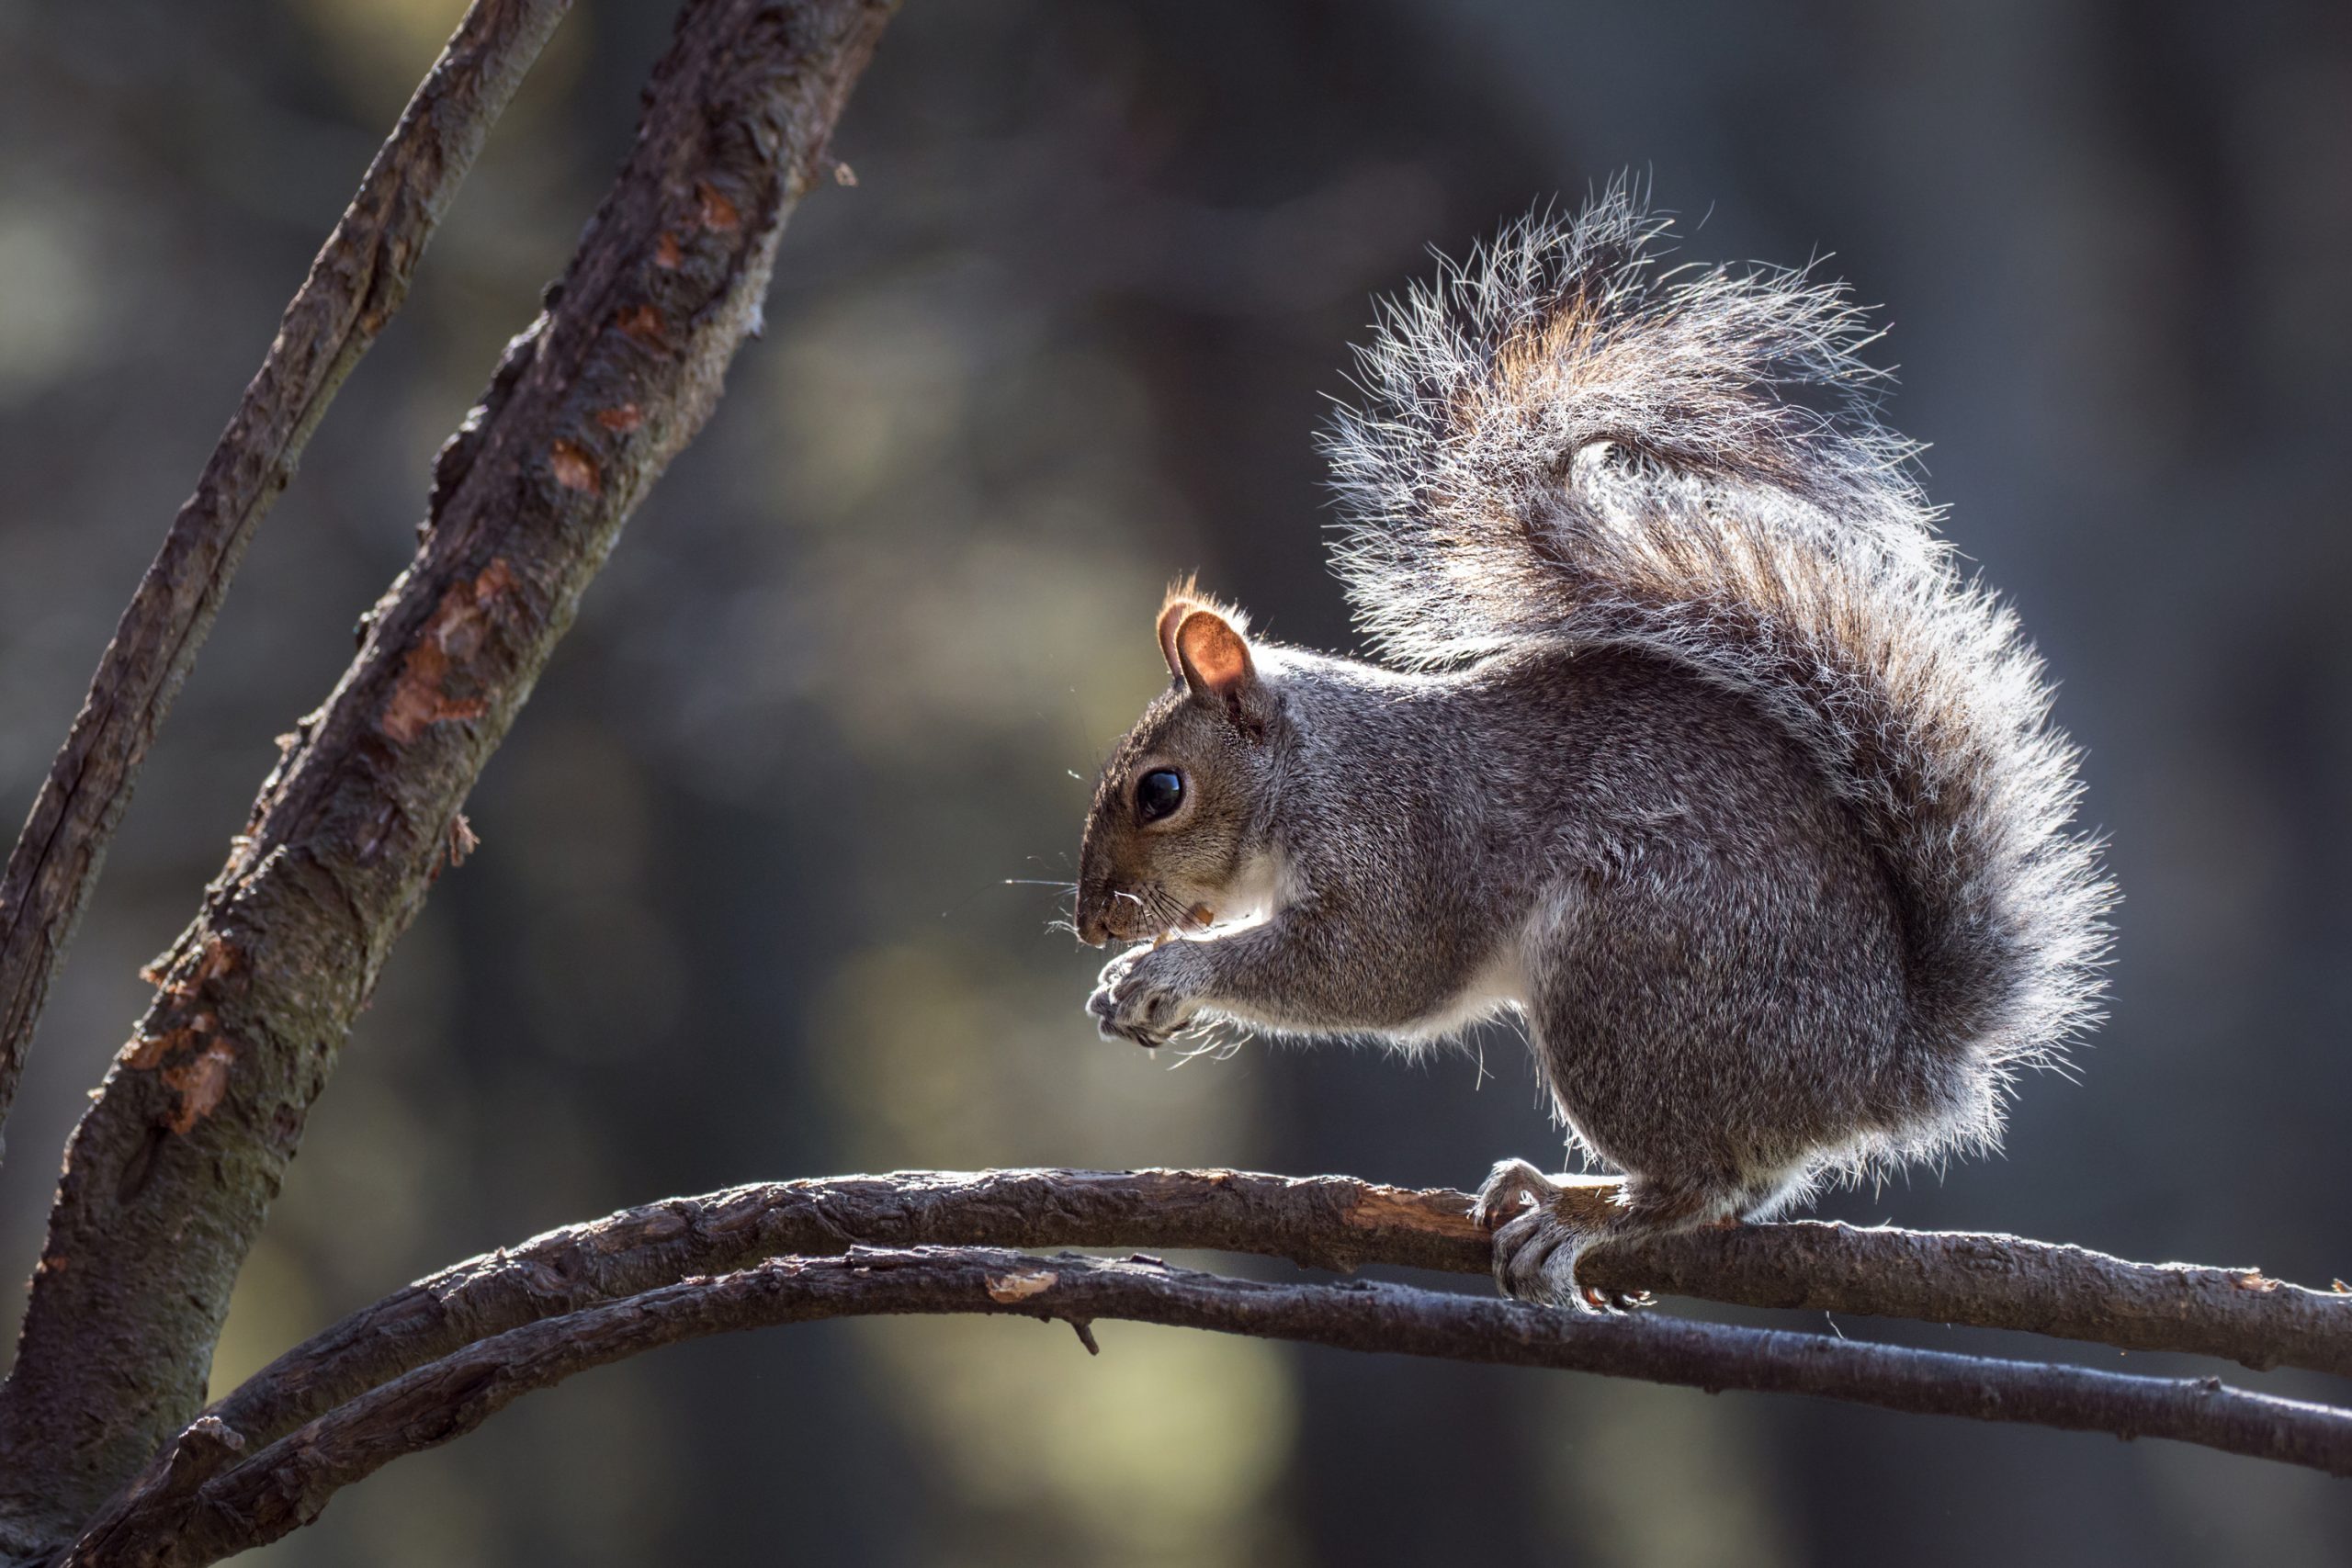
point(1693, 751)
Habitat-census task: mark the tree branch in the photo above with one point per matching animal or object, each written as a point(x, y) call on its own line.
point(355, 284)
point(1328, 1222)
point(288, 1482)
point(171, 1171)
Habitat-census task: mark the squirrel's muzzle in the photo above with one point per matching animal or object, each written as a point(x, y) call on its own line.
point(1093, 922)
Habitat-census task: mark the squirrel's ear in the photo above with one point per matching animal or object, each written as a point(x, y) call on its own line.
point(1215, 661)
point(1169, 618)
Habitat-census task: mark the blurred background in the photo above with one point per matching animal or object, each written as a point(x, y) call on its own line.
point(747, 905)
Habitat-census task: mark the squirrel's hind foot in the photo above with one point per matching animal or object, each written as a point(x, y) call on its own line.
point(1542, 1225)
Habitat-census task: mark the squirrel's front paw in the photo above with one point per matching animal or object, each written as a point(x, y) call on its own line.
point(1146, 994)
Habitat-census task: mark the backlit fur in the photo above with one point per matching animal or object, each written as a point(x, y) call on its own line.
point(1693, 750)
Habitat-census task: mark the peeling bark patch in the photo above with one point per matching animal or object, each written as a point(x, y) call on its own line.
point(717, 212)
point(199, 1071)
point(217, 960)
point(146, 1053)
point(575, 469)
point(463, 839)
point(422, 698)
point(458, 841)
point(201, 1084)
point(666, 253)
point(622, 419)
point(1382, 1209)
point(1020, 1287)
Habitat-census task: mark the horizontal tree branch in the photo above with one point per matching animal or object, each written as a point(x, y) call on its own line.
point(1329, 1221)
point(172, 1169)
point(357, 281)
point(288, 1482)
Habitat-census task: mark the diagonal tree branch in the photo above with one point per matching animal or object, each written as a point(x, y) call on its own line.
point(288, 1482)
point(355, 284)
point(1329, 1221)
point(171, 1171)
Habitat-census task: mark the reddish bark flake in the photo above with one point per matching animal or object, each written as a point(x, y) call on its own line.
point(666, 253)
point(421, 698)
point(146, 1053)
point(642, 323)
point(216, 960)
point(717, 212)
point(573, 467)
point(201, 1084)
point(622, 419)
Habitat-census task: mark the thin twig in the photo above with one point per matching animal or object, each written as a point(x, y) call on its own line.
point(288, 1483)
point(1331, 1221)
point(171, 1171)
point(356, 283)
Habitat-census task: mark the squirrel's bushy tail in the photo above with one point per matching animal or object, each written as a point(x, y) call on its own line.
point(1561, 439)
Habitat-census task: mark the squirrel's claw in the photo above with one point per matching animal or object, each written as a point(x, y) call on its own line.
point(1535, 1261)
point(1509, 1188)
point(1536, 1248)
point(1536, 1254)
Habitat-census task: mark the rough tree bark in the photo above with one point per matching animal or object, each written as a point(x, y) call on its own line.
point(358, 280)
point(204, 1512)
point(1322, 1222)
point(171, 1171)
point(430, 1363)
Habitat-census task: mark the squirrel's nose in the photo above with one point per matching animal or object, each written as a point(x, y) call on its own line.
point(1093, 925)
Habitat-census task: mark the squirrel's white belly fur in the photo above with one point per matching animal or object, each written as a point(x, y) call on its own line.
point(1495, 989)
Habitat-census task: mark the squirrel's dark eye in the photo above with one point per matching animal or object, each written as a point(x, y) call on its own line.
point(1158, 792)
